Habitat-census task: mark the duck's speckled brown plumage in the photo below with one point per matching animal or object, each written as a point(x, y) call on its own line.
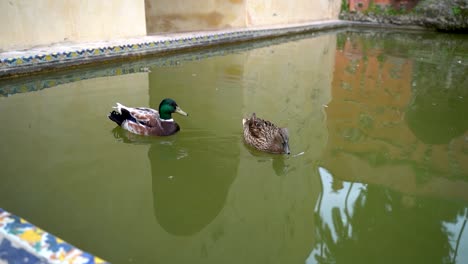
point(265, 136)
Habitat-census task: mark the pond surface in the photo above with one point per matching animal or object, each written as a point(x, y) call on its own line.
point(378, 173)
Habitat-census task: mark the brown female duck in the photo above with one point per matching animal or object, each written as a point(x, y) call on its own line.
point(265, 136)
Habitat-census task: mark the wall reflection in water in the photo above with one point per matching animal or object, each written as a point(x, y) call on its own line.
point(188, 190)
point(377, 130)
point(395, 169)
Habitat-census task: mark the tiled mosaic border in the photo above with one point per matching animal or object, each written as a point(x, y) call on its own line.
point(41, 245)
point(37, 83)
point(44, 60)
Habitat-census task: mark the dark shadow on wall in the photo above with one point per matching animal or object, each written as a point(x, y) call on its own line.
point(178, 16)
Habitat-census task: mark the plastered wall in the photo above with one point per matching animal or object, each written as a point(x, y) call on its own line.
point(272, 12)
point(27, 23)
point(189, 15)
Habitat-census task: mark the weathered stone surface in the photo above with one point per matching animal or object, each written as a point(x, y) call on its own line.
point(450, 15)
point(444, 15)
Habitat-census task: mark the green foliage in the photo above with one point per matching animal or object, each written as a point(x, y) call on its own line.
point(456, 10)
point(381, 58)
point(344, 6)
point(340, 41)
point(389, 11)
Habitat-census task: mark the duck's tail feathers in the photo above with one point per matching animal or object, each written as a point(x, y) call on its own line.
point(124, 114)
point(119, 107)
point(116, 117)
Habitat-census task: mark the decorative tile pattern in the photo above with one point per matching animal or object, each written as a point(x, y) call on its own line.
point(12, 254)
point(36, 244)
point(81, 55)
point(40, 82)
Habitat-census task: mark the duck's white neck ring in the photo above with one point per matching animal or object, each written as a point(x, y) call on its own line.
point(167, 120)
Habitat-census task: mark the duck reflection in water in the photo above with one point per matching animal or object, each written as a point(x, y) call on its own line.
point(190, 181)
point(278, 162)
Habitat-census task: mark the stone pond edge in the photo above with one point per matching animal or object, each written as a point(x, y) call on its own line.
point(14, 63)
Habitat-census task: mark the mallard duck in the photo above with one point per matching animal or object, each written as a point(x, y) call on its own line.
point(147, 121)
point(265, 136)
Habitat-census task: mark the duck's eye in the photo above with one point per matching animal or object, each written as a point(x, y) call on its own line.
point(283, 139)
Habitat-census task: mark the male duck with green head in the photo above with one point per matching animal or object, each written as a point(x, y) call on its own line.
point(147, 121)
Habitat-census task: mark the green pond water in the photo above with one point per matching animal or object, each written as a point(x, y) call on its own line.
point(378, 124)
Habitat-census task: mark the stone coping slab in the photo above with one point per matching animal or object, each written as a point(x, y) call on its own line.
point(72, 54)
point(37, 82)
point(22, 242)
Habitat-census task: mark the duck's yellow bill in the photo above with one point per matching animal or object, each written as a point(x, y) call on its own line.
point(180, 111)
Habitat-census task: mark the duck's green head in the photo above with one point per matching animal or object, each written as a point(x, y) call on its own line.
point(167, 107)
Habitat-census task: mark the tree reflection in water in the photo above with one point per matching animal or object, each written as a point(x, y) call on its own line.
point(363, 223)
point(394, 187)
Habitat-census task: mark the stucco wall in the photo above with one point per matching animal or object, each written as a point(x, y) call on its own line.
point(188, 15)
point(271, 12)
point(26, 23)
